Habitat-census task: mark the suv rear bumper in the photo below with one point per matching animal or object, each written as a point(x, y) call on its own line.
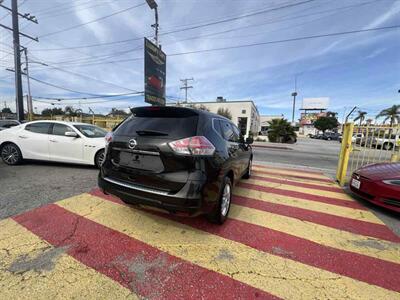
point(188, 200)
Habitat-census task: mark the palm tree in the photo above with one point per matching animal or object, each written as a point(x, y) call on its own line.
point(361, 116)
point(391, 113)
point(281, 131)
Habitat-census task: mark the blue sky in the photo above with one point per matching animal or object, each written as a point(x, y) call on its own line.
point(360, 69)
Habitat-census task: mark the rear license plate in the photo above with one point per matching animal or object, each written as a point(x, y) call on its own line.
point(356, 183)
point(140, 161)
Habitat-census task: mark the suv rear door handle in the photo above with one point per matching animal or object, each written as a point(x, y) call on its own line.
point(53, 141)
point(22, 136)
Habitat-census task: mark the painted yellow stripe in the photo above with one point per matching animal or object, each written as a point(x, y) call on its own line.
point(277, 275)
point(294, 172)
point(30, 268)
point(310, 191)
point(320, 234)
point(303, 180)
point(336, 210)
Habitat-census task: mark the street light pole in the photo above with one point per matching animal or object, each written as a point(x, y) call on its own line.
point(294, 94)
point(153, 5)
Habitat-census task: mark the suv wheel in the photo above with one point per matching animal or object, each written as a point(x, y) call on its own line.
point(248, 171)
point(220, 213)
point(10, 154)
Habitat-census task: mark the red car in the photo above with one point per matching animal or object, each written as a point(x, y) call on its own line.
point(379, 184)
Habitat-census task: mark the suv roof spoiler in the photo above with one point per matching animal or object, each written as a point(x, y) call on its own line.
point(164, 112)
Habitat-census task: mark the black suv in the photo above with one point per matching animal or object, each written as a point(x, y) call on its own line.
point(181, 160)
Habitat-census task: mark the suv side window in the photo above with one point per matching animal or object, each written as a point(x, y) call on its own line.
point(236, 133)
point(227, 132)
point(38, 128)
point(61, 129)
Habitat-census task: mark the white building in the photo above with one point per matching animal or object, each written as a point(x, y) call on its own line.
point(244, 112)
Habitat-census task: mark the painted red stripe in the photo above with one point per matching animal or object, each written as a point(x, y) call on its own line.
point(379, 231)
point(145, 270)
point(293, 176)
point(299, 184)
point(357, 266)
point(360, 267)
point(309, 171)
point(305, 196)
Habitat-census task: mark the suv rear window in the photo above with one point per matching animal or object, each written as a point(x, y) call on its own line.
point(175, 127)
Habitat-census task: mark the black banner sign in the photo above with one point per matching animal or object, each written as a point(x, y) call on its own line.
point(155, 62)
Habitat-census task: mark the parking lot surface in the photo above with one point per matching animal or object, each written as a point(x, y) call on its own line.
point(291, 233)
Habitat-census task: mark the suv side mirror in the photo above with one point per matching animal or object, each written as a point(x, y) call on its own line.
point(71, 134)
point(249, 140)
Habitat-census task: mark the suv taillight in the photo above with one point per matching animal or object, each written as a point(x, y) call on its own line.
point(195, 145)
point(108, 137)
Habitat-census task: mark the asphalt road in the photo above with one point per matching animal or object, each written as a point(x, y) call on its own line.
point(306, 152)
point(34, 184)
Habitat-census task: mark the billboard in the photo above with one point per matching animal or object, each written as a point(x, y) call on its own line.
point(154, 74)
point(310, 118)
point(315, 103)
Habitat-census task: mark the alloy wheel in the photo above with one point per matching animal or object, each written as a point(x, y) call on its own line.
point(226, 199)
point(10, 154)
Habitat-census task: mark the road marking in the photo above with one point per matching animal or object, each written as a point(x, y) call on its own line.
point(290, 173)
point(276, 275)
point(380, 272)
point(30, 268)
point(379, 231)
point(334, 189)
point(297, 176)
point(320, 234)
point(341, 211)
point(301, 190)
point(149, 272)
point(269, 167)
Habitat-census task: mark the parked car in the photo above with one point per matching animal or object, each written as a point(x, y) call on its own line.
point(53, 141)
point(387, 142)
point(379, 184)
point(328, 136)
point(5, 124)
point(356, 138)
point(181, 160)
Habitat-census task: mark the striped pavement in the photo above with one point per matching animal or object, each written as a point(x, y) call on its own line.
point(291, 234)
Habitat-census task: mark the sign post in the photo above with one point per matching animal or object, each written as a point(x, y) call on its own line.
point(155, 62)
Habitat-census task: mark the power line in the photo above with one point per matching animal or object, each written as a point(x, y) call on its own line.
point(257, 44)
point(88, 97)
point(92, 21)
point(187, 28)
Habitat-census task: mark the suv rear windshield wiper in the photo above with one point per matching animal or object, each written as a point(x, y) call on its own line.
point(150, 132)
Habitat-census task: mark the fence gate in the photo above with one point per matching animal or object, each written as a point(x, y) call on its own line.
point(364, 145)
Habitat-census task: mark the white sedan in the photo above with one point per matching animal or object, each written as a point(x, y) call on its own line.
point(53, 141)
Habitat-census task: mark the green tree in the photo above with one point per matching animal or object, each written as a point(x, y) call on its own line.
point(70, 111)
point(326, 123)
point(392, 114)
point(117, 112)
point(280, 131)
point(6, 110)
point(361, 116)
point(47, 112)
point(225, 112)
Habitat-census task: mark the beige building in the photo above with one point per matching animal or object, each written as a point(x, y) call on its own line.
point(244, 112)
point(264, 122)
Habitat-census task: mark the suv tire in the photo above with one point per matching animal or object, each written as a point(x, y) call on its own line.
point(248, 170)
point(221, 211)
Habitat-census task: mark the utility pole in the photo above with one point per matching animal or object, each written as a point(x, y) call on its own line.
point(294, 94)
point(29, 102)
point(186, 86)
point(153, 5)
point(17, 62)
point(17, 53)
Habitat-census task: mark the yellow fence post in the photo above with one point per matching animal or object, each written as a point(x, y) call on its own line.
point(344, 153)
